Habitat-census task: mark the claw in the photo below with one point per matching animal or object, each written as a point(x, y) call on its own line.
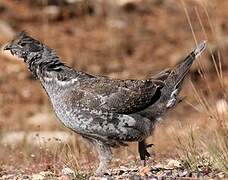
point(147, 154)
point(144, 154)
point(149, 145)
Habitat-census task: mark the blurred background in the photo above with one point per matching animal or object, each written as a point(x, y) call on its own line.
point(121, 39)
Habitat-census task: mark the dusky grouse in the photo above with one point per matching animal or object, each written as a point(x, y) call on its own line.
point(107, 112)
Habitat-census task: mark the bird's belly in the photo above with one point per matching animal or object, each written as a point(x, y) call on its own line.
point(83, 120)
point(70, 118)
point(86, 121)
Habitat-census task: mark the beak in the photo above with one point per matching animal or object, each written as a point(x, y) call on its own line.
point(7, 47)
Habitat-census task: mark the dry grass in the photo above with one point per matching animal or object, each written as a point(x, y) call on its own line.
point(209, 148)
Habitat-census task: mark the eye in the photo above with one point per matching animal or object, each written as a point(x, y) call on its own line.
point(23, 44)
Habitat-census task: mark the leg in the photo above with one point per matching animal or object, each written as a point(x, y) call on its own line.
point(104, 155)
point(143, 153)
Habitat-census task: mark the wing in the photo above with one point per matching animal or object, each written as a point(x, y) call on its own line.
point(120, 96)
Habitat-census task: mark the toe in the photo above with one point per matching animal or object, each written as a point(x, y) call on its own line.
point(149, 145)
point(102, 172)
point(147, 154)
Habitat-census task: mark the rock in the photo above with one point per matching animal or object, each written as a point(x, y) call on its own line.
point(25, 177)
point(183, 173)
point(52, 12)
point(145, 171)
point(63, 177)
point(67, 171)
point(43, 175)
point(68, 174)
point(221, 175)
point(172, 163)
point(136, 177)
point(158, 166)
point(6, 30)
point(37, 177)
point(3, 7)
point(124, 2)
point(116, 23)
point(99, 178)
point(121, 172)
point(199, 174)
point(195, 175)
point(169, 173)
point(175, 173)
point(73, 1)
point(7, 177)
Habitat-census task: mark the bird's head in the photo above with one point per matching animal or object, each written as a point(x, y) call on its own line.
point(24, 46)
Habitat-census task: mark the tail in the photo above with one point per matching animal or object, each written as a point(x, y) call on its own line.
point(181, 69)
point(177, 75)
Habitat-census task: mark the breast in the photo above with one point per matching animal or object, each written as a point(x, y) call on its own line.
point(71, 118)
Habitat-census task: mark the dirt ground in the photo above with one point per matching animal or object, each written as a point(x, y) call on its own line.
point(120, 39)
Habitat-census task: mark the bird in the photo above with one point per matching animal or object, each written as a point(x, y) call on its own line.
point(106, 112)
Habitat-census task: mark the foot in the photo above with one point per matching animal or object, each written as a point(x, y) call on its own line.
point(102, 170)
point(144, 154)
point(147, 154)
point(104, 155)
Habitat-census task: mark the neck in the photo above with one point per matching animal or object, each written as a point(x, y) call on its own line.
point(48, 61)
point(53, 74)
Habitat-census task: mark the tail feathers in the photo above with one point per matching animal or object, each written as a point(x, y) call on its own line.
point(200, 48)
point(183, 67)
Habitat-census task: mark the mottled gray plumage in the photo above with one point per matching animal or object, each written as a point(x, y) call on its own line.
point(107, 112)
